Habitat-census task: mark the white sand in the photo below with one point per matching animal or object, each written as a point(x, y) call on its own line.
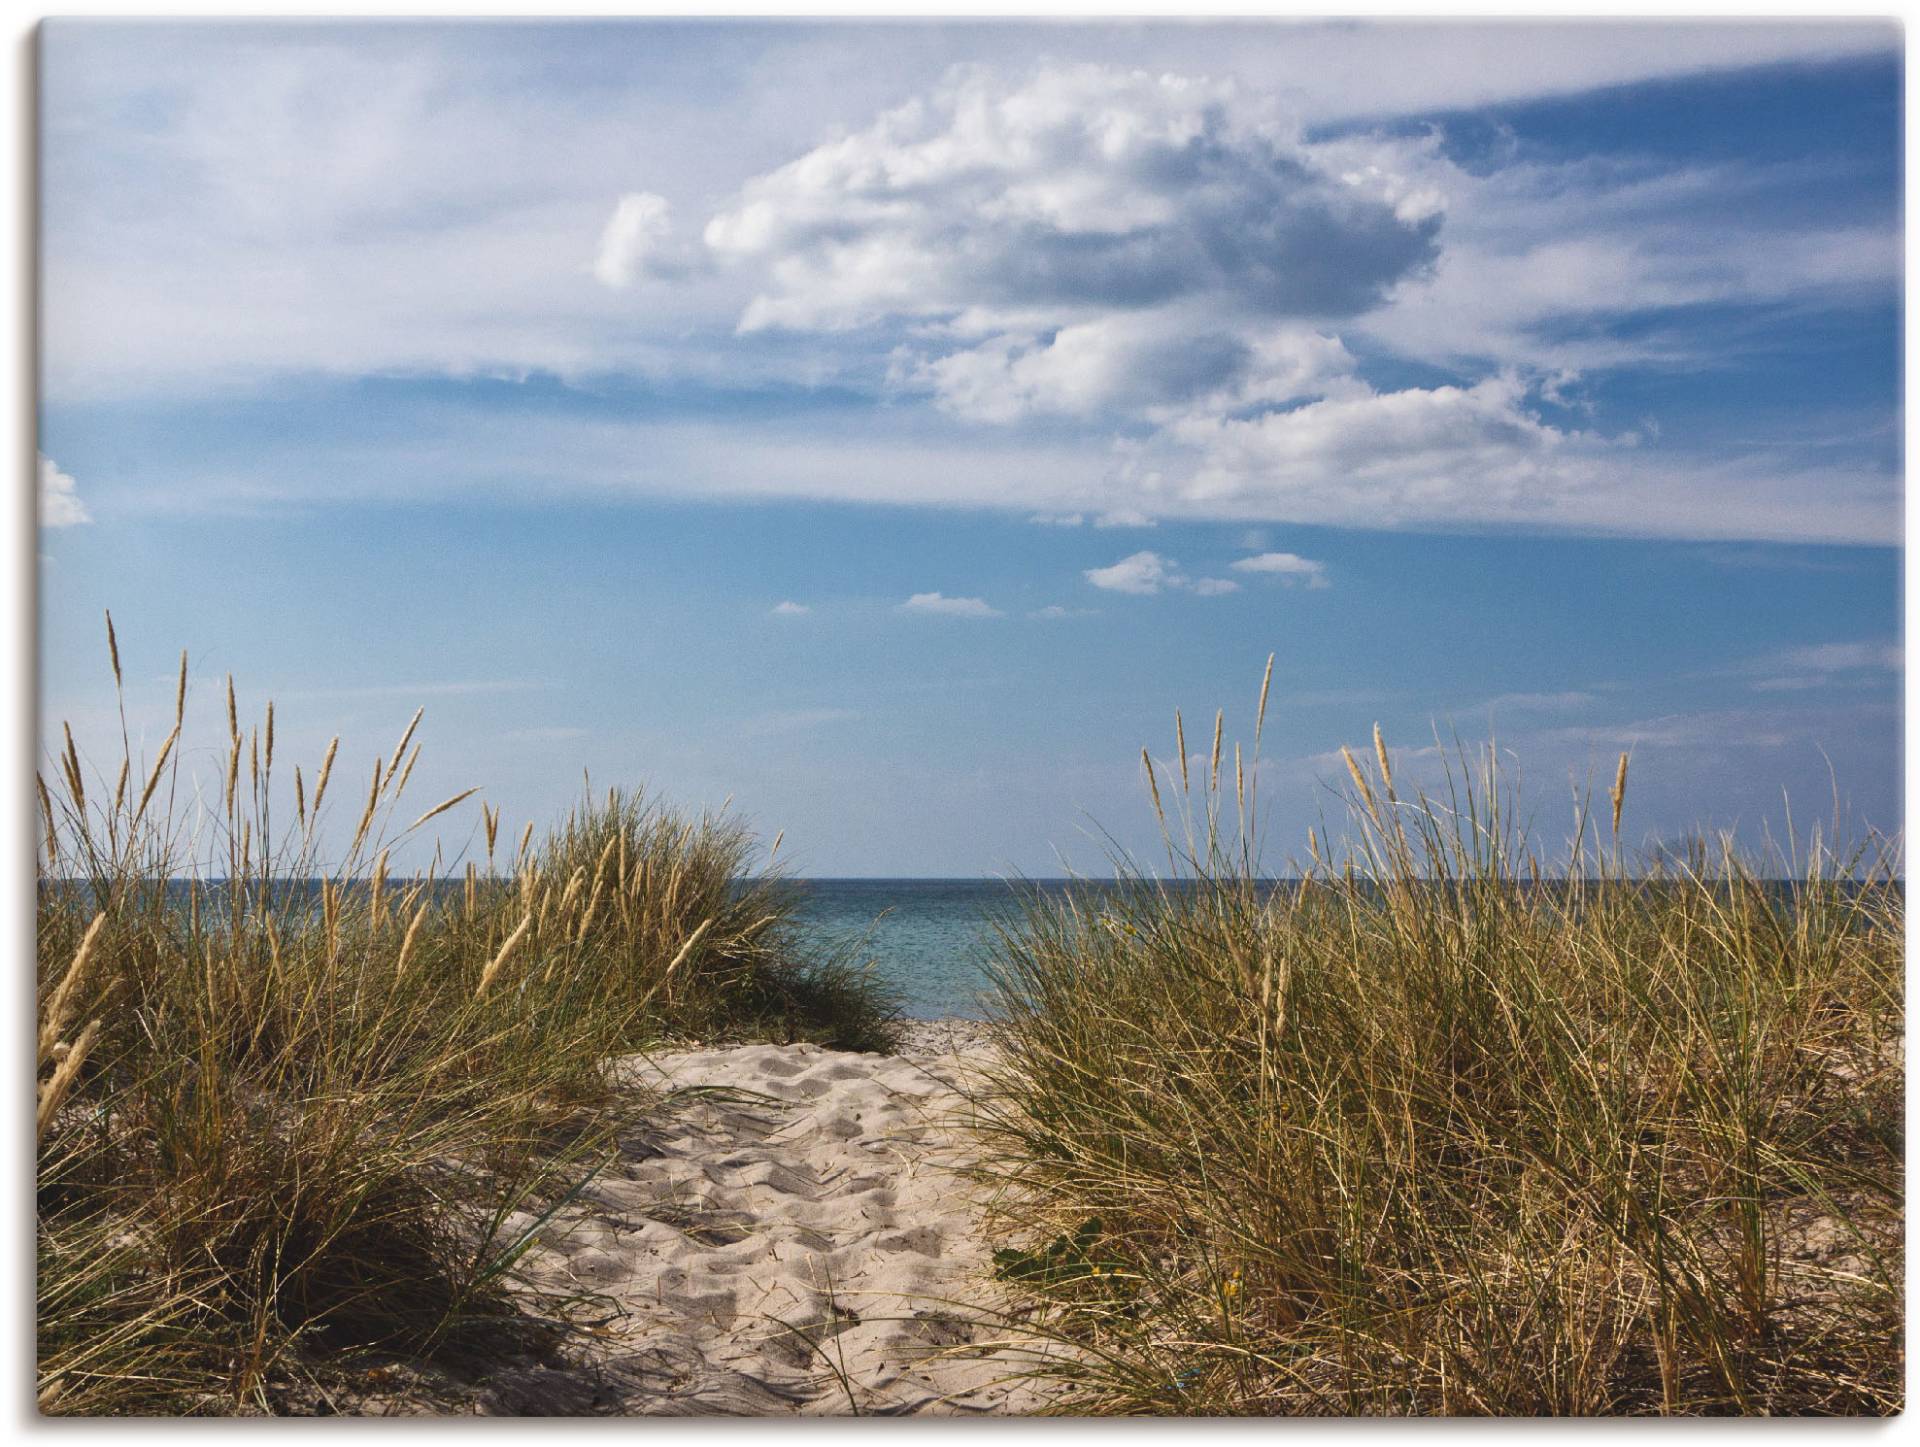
point(788, 1234)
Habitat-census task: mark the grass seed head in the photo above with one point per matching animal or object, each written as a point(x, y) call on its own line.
point(326, 772)
point(506, 953)
point(55, 1090)
point(443, 806)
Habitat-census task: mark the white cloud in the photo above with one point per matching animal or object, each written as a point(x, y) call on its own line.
point(1165, 257)
point(1415, 455)
point(949, 607)
point(222, 201)
point(1142, 572)
point(1147, 253)
point(1081, 186)
point(1154, 363)
point(1357, 71)
point(1055, 611)
point(790, 609)
point(60, 505)
point(1083, 241)
point(1146, 572)
point(632, 240)
point(1484, 455)
point(1533, 250)
point(1600, 487)
point(1290, 568)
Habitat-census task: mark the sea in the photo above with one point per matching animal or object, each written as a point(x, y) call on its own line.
point(929, 939)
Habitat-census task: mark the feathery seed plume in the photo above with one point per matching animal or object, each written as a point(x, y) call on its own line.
point(506, 952)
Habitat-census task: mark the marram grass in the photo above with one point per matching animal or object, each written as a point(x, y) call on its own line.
point(1421, 1134)
point(1425, 1134)
point(285, 1104)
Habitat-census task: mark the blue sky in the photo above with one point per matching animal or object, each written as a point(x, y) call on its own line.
point(891, 426)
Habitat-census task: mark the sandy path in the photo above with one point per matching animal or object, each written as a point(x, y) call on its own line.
point(788, 1234)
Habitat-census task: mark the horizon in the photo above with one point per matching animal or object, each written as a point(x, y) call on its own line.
point(1894, 873)
point(889, 426)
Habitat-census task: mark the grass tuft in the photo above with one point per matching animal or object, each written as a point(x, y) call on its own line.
point(287, 1103)
point(1439, 1129)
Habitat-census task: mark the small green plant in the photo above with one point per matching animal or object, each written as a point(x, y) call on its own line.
point(1067, 1258)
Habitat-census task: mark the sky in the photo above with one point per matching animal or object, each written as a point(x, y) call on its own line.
point(887, 427)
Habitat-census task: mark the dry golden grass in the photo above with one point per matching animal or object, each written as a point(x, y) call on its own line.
point(1425, 1134)
point(308, 1091)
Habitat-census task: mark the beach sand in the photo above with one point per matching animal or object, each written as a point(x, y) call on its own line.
point(789, 1232)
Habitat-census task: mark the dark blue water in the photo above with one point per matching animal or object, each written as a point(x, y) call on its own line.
point(926, 937)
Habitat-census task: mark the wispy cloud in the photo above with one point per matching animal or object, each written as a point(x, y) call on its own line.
point(1710, 730)
point(1055, 611)
point(789, 609)
point(1826, 665)
point(947, 607)
point(1845, 657)
point(1562, 702)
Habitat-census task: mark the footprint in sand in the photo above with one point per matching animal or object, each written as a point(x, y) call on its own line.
point(830, 1261)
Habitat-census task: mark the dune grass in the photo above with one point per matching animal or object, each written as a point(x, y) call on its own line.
point(287, 1102)
point(1445, 1130)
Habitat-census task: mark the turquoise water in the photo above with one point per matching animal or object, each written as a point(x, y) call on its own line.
point(928, 937)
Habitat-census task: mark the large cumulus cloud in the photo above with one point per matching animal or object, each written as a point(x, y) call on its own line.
point(1078, 240)
point(1161, 255)
point(1077, 188)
